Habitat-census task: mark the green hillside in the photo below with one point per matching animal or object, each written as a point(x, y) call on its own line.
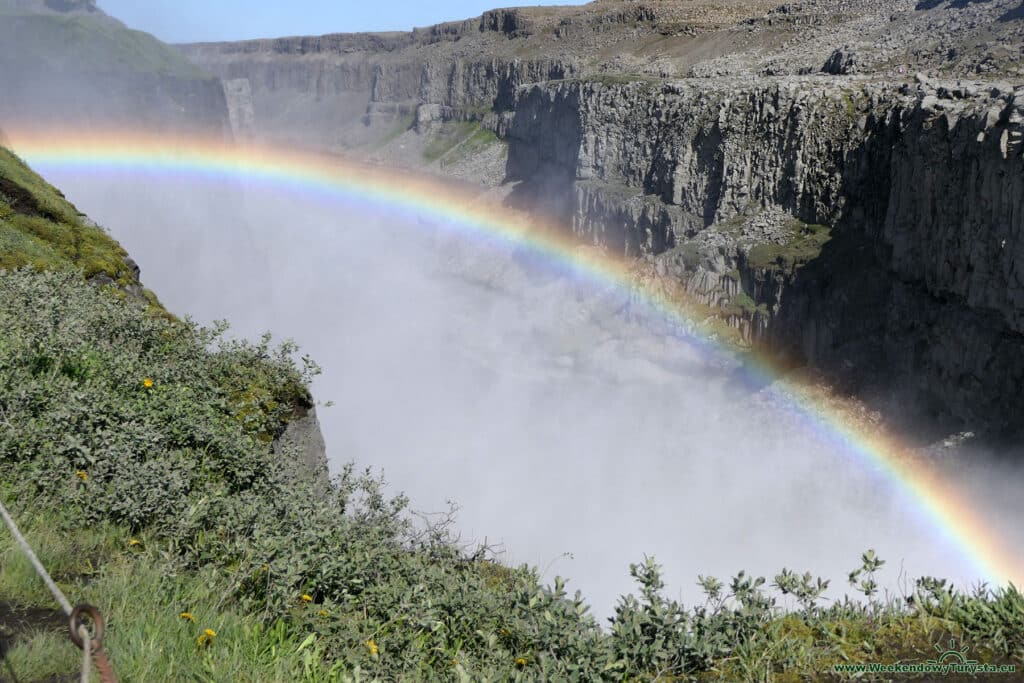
point(84, 43)
point(138, 452)
point(39, 227)
point(66, 64)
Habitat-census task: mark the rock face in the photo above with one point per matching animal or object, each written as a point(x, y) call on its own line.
point(241, 114)
point(776, 163)
point(330, 91)
point(303, 439)
point(919, 283)
point(341, 91)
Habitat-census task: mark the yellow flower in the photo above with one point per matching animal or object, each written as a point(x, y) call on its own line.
point(372, 647)
point(82, 474)
point(209, 633)
point(147, 383)
point(520, 662)
point(306, 598)
point(187, 616)
point(135, 541)
point(455, 662)
point(324, 613)
point(206, 637)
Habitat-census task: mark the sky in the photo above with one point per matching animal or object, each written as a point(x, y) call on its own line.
point(182, 21)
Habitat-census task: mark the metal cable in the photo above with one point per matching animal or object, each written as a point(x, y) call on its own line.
point(40, 569)
point(91, 646)
point(83, 633)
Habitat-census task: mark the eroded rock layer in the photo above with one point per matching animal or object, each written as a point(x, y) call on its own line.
point(839, 181)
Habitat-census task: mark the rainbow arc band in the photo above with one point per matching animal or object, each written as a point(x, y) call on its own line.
point(332, 178)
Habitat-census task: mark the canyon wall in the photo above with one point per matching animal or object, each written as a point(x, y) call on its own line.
point(875, 230)
point(349, 90)
point(778, 165)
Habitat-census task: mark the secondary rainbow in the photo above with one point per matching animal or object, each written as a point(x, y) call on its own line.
point(947, 509)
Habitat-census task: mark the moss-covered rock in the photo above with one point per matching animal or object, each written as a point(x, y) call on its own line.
point(806, 244)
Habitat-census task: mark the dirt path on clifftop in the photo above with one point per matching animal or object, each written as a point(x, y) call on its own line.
point(20, 623)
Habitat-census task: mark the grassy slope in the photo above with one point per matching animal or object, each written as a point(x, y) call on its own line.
point(39, 227)
point(479, 138)
point(447, 137)
point(162, 497)
point(82, 43)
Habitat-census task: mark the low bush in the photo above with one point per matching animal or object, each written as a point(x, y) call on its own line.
point(139, 453)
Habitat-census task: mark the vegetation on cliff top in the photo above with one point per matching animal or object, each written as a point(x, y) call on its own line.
point(39, 227)
point(804, 245)
point(137, 451)
point(449, 135)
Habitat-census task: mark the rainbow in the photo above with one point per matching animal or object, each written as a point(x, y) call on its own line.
point(945, 509)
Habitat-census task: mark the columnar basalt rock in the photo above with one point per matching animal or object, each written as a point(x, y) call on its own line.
point(921, 188)
point(241, 114)
point(347, 85)
point(704, 152)
point(781, 164)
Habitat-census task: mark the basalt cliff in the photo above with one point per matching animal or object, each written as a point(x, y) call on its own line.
point(839, 182)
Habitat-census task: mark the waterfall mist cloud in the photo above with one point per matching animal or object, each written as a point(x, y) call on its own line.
point(576, 431)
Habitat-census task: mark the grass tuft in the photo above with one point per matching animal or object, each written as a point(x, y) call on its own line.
point(447, 136)
point(804, 245)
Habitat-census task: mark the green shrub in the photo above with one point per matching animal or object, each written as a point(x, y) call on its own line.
point(136, 450)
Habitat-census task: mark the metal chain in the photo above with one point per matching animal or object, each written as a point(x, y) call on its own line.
point(80, 637)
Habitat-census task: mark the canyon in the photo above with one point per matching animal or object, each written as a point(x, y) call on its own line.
point(830, 189)
point(840, 182)
point(836, 183)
